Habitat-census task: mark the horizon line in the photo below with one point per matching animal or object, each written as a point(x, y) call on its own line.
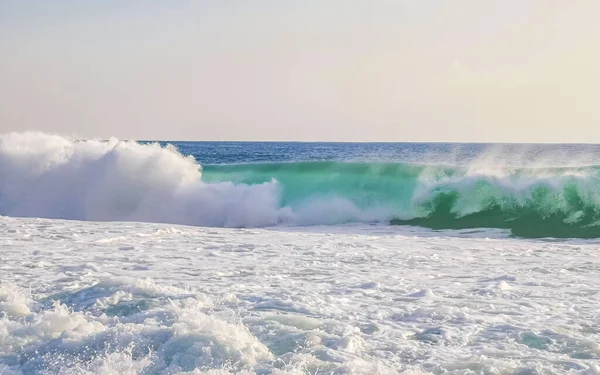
point(365, 142)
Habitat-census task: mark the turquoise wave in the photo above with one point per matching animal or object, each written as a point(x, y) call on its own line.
point(534, 202)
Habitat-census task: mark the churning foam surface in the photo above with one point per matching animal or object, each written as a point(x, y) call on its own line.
point(142, 298)
point(120, 326)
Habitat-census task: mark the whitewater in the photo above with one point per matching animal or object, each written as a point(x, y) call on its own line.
point(122, 257)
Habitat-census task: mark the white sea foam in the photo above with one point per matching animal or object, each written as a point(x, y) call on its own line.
point(135, 298)
point(50, 176)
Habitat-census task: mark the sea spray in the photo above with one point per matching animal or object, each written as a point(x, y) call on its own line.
point(49, 176)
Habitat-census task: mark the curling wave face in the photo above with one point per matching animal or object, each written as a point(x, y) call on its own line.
point(49, 176)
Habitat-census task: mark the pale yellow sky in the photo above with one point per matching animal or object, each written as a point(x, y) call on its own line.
point(406, 70)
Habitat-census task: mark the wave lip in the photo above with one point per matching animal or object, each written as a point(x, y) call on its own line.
point(49, 176)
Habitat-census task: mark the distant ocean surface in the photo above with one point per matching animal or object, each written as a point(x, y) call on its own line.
point(444, 153)
point(223, 258)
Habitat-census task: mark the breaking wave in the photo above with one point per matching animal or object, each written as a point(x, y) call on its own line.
point(50, 176)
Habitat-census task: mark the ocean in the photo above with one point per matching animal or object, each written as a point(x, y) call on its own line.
point(123, 257)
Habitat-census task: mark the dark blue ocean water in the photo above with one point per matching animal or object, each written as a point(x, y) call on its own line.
point(429, 153)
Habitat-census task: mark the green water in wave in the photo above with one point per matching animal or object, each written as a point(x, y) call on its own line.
point(558, 202)
point(533, 219)
point(365, 184)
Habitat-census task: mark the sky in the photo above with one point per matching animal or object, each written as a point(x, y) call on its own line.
point(310, 70)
